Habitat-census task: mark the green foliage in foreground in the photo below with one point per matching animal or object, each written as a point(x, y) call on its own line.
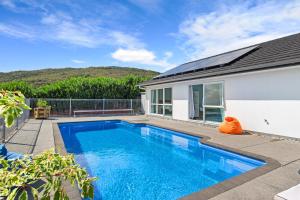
point(11, 106)
point(82, 88)
point(19, 179)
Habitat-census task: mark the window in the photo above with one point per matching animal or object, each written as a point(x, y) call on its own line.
point(168, 95)
point(213, 102)
point(213, 94)
point(206, 102)
point(214, 114)
point(153, 101)
point(160, 96)
point(161, 101)
point(168, 102)
point(168, 110)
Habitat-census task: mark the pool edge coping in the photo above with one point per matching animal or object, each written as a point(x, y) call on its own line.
point(204, 194)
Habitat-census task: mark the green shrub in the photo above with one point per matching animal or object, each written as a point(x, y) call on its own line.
point(41, 103)
point(26, 89)
point(83, 88)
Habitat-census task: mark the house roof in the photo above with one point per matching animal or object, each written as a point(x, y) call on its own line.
point(276, 53)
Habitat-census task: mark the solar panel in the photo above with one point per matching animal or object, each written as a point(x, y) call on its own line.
point(212, 61)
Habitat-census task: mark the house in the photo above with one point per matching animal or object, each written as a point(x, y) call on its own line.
point(260, 85)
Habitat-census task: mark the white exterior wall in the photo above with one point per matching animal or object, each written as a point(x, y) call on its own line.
point(180, 104)
point(147, 101)
point(265, 101)
point(144, 102)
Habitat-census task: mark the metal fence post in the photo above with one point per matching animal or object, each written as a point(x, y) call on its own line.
point(131, 106)
point(17, 123)
point(3, 132)
point(103, 105)
point(70, 108)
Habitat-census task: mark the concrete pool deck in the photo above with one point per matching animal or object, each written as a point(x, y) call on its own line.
point(37, 136)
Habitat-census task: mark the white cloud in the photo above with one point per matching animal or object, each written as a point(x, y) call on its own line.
point(142, 56)
point(18, 31)
point(125, 40)
point(78, 61)
point(23, 6)
point(8, 3)
point(77, 26)
point(90, 34)
point(64, 28)
point(78, 32)
point(131, 50)
point(232, 27)
point(168, 54)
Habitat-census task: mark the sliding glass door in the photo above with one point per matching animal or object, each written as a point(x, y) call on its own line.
point(206, 102)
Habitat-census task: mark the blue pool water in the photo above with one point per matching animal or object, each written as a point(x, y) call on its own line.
point(146, 162)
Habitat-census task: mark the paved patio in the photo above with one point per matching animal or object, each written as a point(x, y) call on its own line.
point(37, 135)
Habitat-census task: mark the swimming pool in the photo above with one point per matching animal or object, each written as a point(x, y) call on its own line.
point(139, 161)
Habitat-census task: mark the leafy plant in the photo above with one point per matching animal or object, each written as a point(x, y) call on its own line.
point(41, 103)
point(20, 178)
point(41, 175)
point(11, 106)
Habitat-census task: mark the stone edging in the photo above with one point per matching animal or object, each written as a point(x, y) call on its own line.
point(212, 191)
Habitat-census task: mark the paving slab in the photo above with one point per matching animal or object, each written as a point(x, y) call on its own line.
point(19, 148)
point(45, 139)
point(265, 186)
point(241, 141)
point(284, 151)
point(248, 191)
point(24, 137)
point(23, 141)
point(290, 171)
point(32, 125)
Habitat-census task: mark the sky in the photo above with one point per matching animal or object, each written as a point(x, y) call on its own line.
point(148, 34)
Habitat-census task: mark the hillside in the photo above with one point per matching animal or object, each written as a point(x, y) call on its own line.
point(45, 76)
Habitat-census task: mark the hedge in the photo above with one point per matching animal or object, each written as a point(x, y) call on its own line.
point(82, 88)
